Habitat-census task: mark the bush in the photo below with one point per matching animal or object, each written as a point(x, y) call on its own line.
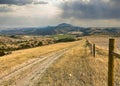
point(65, 40)
point(40, 43)
point(23, 46)
point(2, 53)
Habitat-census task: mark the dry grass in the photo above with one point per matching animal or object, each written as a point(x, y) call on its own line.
point(99, 41)
point(103, 42)
point(9, 62)
point(78, 68)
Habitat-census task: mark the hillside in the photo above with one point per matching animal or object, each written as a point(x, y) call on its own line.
point(63, 28)
point(17, 42)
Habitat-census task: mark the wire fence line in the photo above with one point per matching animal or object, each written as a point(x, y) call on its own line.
point(111, 56)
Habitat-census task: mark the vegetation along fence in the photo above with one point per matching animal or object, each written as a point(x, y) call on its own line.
point(111, 56)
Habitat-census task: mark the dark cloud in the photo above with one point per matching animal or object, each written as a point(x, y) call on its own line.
point(96, 9)
point(115, 1)
point(16, 2)
point(20, 2)
point(5, 9)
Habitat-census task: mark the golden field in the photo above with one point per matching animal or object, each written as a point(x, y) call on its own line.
point(9, 62)
point(78, 68)
point(103, 42)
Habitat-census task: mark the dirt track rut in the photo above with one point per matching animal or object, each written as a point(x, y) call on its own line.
point(29, 73)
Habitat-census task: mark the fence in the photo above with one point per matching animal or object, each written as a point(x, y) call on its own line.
point(111, 56)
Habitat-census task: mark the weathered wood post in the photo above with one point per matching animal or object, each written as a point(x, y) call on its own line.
point(93, 50)
point(111, 63)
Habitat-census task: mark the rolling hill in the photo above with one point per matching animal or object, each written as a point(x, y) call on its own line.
point(62, 28)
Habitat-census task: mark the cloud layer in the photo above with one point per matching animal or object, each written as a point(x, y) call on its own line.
point(21, 2)
point(46, 12)
point(91, 9)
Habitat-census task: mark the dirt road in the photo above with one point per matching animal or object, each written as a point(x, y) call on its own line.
point(28, 73)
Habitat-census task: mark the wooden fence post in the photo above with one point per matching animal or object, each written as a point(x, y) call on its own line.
point(91, 48)
point(93, 51)
point(111, 63)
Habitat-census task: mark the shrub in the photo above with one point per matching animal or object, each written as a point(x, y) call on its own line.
point(2, 53)
point(40, 43)
point(65, 40)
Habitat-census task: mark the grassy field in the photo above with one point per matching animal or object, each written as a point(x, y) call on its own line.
point(78, 68)
point(9, 62)
point(103, 42)
point(61, 36)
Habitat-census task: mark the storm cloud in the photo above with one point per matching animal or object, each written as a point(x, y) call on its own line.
point(21, 2)
point(91, 9)
point(88, 13)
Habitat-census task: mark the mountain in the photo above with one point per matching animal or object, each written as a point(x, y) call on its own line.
point(63, 28)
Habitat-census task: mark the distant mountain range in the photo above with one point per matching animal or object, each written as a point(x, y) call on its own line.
point(63, 28)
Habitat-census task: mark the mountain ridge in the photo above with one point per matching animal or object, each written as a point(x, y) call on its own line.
point(62, 28)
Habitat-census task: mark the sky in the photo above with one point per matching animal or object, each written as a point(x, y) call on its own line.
point(34, 13)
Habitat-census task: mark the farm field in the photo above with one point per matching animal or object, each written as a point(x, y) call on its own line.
point(103, 42)
point(61, 64)
point(18, 59)
point(78, 68)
